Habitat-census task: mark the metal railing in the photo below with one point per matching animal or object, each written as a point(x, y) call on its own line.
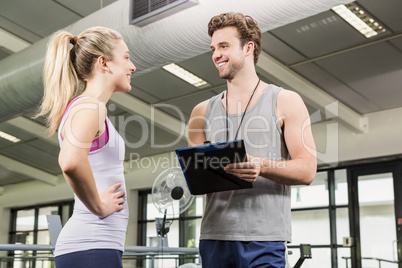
point(371, 258)
point(39, 254)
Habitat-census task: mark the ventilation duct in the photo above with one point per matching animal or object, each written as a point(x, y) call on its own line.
point(144, 12)
point(171, 39)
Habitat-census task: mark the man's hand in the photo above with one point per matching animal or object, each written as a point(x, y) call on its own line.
point(248, 171)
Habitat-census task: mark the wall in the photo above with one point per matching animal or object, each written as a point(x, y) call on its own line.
point(336, 143)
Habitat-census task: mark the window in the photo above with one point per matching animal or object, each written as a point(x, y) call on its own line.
point(341, 187)
point(318, 219)
point(184, 229)
point(29, 226)
point(314, 195)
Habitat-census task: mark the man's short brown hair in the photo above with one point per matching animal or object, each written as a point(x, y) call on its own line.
point(247, 28)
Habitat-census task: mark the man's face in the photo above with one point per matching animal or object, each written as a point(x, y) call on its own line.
point(228, 54)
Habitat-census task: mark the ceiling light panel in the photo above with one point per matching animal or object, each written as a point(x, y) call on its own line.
point(186, 75)
point(360, 19)
point(9, 137)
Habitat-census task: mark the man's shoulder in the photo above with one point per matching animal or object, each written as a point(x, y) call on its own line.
point(201, 108)
point(289, 100)
point(203, 104)
point(288, 95)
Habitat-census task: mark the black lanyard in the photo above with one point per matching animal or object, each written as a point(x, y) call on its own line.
point(244, 113)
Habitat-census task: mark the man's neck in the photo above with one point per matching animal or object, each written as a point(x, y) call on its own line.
point(242, 85)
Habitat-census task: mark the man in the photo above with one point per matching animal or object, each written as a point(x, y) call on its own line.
point(250, 227)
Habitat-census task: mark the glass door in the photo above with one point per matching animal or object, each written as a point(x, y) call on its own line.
point(375, 207)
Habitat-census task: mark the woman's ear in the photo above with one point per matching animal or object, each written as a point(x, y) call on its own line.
point(101, 63)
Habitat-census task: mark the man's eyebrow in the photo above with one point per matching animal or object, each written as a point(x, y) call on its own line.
point(220, 43)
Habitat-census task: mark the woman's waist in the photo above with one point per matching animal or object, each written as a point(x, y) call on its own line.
point(81, 213)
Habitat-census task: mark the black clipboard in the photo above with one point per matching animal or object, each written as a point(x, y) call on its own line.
point(203, 165)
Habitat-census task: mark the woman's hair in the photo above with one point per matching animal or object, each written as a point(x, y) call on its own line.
point(246, 26)
point(67, 69)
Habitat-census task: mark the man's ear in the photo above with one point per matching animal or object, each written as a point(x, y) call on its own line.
point(249, 48)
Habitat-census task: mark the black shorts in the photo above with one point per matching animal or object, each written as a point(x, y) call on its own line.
point(231, 254)
point(94, 258)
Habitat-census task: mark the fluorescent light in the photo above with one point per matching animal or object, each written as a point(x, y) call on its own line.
point(8, 137)
point(186, 75)
point(359, 19)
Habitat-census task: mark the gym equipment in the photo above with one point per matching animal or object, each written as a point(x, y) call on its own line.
point(305, 253)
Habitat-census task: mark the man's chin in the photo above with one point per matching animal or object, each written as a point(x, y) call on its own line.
point(225, 76)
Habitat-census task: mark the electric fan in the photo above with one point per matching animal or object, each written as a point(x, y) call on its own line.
point(171, 196)
point(170, 193)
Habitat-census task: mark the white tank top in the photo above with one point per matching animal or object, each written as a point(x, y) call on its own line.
point(84, 230)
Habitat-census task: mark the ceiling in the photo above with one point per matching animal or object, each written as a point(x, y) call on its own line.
point(365, 75)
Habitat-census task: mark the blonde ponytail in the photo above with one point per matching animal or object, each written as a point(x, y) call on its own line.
point(59, 78)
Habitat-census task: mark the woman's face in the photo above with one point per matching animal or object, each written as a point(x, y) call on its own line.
point(121, 67)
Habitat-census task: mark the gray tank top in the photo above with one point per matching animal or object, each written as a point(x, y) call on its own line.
point(263, 212)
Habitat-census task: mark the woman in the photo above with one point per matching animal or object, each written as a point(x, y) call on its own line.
point(92, 152)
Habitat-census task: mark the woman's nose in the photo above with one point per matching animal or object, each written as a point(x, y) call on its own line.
point(133, 68)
